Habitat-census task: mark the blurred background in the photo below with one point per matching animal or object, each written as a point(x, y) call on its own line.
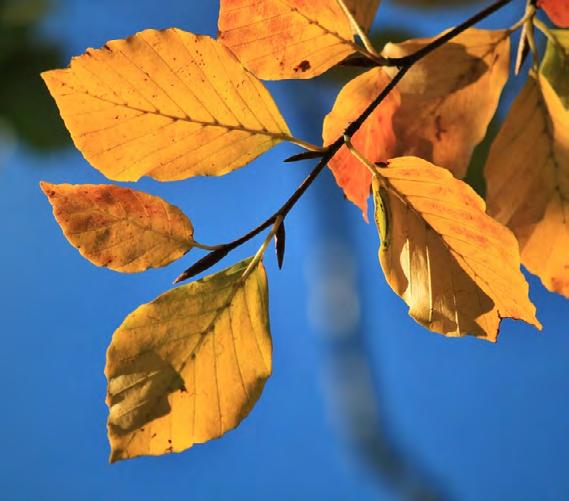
point(364, 404)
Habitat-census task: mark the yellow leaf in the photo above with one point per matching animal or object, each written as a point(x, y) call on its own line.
point(190, 365)
point(119, 228)
point(166, 104)
point(456, 268)
point(363, 11)
point(279, 39)
point(527, 174)
point(374, 139)
point(449, 97)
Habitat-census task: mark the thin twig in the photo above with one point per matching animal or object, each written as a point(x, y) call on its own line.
point(359, 156)
point(197, 245)
point(261, 252)
point(301, 142)
point(541, 26)
point(404, 64)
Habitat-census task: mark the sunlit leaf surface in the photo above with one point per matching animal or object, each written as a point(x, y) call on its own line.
point(189, 366)
point(166, 104)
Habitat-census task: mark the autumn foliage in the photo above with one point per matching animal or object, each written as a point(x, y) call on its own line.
point(190, 365)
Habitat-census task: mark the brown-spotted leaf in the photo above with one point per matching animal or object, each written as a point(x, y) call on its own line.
point(375, 139)
point(457, 269)
point(279, 39)
point(119, 228)
point(527, 175)
point(449, 97)
point(166, 104)
point(557, 10)
point(189, 366)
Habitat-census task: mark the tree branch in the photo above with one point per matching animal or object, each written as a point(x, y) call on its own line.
point(404, 64)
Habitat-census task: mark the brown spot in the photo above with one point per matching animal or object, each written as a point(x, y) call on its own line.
point(439, 130)
point(302, 66)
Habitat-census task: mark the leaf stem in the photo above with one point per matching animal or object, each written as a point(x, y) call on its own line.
point(261, 252)
point(358, 155)
point(541, 26)
point(302, 143)
point(358, 29)
point(197, 245)
point(404, 64)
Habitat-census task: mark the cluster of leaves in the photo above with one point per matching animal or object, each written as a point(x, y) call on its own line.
point(190, 365)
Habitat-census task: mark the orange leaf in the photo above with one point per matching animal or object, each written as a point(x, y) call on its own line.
point(457, 268)
point(278, 39)
point(557, 10)
point(375, 138)
point(119, 228)
point(449, 97)
point(527, 174)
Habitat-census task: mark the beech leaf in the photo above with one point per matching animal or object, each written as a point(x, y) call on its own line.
point(375, 139)
point(557, 10)
point(527, 174)
point(119, 228)
point(457, 269)
point(189, 366)
point(555, 65)
point(166, 104)
point(449, 97)
point(363, 12)
point(279, 39)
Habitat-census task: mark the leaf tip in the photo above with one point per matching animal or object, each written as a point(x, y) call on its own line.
point(47, 188)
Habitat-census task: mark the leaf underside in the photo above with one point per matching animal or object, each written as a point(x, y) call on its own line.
point(527, 174)
point(449, 97)
point(456, 268)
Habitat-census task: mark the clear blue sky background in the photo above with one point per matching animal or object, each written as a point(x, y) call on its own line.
point(468, 419)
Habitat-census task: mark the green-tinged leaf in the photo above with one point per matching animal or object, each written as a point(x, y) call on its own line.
point(190, 365)
point(119, 228)
point(555, 65)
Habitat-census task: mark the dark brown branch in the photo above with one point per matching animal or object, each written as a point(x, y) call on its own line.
point(404, 64)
